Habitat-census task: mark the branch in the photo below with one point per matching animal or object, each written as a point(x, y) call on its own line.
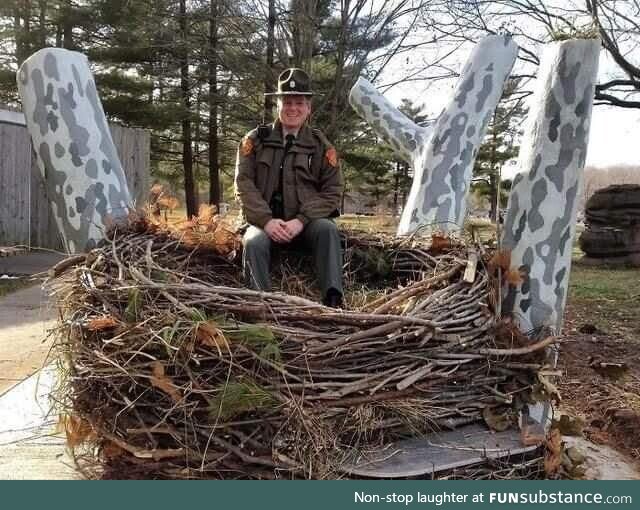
point(615, 101)
point(616, 83)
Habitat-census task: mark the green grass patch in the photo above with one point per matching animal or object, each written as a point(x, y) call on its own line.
point(606, 297)
point(604, 284)
point(237, 397)
point(376, 223)
point(11, 285)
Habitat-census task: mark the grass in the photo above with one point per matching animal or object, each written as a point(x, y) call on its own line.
point(604, 284)
point(608, 298)
point(9, 286)
point(378, 223)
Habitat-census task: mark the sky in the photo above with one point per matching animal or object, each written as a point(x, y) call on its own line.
point(614, 137)
point(615, 132)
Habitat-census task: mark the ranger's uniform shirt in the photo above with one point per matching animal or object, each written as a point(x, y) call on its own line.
point(311, 178)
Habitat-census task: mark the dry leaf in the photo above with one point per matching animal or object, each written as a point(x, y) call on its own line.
point(549, 388)
point(553, 455)
point(111, 450)
point(100, 323)
point(163, 382)
point(498, 419)
point(514, 277)
point(530, 439)
point(170, 203)
point(440, 242)
point(501, 259)
point(77, 430)
point(160, 198)
point(208, 334)
point(156, 190)
point(570, 425)
point(207, 212)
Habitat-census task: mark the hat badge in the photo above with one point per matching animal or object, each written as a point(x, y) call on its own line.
point(292, 84)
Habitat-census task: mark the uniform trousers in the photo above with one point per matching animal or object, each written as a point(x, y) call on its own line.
point(320, 236)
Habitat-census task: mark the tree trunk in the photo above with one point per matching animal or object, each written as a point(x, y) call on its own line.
point(17, 30)
point(268, 75)
point(22, 30)
point(214, 168)
point(59, 31)
point(405, 176)
point(396, 188)
point(197, 136)
point(332, 129)
point(493, 194)
point(42, 23)
point(67, 26)
point(303, 13)
point(493, 178)
point(187, 149)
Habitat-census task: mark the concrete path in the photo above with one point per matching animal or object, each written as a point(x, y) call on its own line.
point(25, 317)
point(602, 462)
point(29, 263)
point(30, 446)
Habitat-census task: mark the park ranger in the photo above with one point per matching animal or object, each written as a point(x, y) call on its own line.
point(289, 185)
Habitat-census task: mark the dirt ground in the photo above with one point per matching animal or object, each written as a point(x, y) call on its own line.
point(601, 357)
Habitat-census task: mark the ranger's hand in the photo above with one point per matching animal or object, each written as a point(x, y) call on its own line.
point(294, 227)
point(276, 229)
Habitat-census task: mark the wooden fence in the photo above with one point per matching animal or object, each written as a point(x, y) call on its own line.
point(25, 212)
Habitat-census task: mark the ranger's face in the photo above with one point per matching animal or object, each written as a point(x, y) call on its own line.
point(293, 111)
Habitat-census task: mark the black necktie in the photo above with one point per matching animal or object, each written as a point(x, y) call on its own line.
point(277, 201)
point(287, 147)
point(289, 142)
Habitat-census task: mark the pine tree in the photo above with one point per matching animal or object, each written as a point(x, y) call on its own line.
point(500, 145)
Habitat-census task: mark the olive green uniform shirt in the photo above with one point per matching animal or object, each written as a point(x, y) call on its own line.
point(311, 178)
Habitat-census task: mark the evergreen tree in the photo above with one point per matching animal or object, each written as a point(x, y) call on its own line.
point(500, 145)
point(198, 86)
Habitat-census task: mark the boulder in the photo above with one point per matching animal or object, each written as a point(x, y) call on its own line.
point(610, 241)
point(612, 234)
point(618, 204)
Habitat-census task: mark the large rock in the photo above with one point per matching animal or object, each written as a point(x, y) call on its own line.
point(610, 241)
point(612, 235)
point(615, 205)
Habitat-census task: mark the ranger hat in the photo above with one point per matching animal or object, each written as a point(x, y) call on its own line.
point(293, 82)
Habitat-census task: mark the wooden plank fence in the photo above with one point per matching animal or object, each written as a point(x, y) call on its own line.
point(25, 212)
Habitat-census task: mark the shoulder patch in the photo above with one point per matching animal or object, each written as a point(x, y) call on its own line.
point(331, 155)
point(247, 146)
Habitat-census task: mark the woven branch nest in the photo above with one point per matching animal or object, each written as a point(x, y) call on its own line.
point(172, 369)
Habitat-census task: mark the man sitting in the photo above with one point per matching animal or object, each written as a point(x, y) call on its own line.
point(289, 185)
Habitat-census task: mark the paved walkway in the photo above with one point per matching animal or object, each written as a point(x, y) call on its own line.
point(25, 317)
point(30, 446)
point(29, 263)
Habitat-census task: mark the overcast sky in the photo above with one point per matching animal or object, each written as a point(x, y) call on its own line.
point(615, 132)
